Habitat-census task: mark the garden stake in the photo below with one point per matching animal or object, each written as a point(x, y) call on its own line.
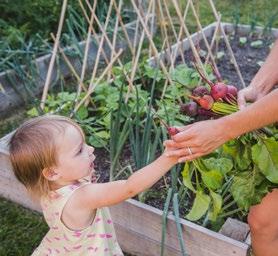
point(123, 27)
point(228, 44)
point(99, 79)
point(151, 42)
point(85, 58)
point(214, 36)
point(53, 56)
point(179, 41)
point(108, 42)
point(70, 65)
point(152, 27)
point(193, 48)
point(92, 28)
point(163, 28)
point(174, 32)
point(114, 39)
point(203, 34)
point(135, 63)
point(100, 46)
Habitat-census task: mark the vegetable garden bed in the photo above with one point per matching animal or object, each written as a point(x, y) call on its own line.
point(139, 226)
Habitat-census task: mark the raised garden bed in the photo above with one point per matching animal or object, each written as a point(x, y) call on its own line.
point(13, 92)
point(138, 225)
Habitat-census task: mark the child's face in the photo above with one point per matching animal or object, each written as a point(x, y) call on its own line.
point(75, 157)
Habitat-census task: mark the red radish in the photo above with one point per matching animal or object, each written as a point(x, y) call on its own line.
point(189, 109)
point(200, 91)
point(218, 90)
point(172, 131)
point(205, 102)
point(232, 90)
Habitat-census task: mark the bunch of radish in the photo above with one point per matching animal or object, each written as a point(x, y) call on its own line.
point(219, 100)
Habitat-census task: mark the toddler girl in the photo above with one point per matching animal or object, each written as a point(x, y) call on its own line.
point(50, 157)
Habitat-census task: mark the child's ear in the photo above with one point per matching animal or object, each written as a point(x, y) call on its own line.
point(50, 174)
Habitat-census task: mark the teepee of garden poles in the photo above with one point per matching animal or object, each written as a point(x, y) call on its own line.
point(165, 19)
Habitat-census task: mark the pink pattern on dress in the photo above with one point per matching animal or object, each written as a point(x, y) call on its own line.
point(98, 219)
point(105, 235)
point(109, 221)
point(57, 238)
point(91, 235)
point(77, 247)
point(77, 233)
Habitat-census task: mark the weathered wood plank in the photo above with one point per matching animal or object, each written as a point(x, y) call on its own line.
point(235, 229)
point(199, 241)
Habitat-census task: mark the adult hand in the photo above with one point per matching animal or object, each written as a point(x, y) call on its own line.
point(197, 139)
point(249, 94)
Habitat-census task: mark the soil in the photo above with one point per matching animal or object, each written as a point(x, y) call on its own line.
point(248, 57)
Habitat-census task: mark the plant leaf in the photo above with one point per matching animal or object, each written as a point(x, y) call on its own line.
point(216, 205)
point(186, 177)
point(213, 179)
point(200, 206)
point(265, 156)
point(224, 165)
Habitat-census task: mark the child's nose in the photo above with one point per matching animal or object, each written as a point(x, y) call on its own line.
point(91, 150)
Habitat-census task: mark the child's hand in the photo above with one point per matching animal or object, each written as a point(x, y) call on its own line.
point(170, 152)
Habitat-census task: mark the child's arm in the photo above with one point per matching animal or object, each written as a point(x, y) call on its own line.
point(105, 194)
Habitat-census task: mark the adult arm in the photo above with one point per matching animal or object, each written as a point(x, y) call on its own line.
point(204, 137)
point(263, 81)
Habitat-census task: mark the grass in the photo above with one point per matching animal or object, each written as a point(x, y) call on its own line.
point(252, 12)
point(21, 230)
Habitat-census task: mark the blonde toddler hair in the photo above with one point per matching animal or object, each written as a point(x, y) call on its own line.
point(33, 148)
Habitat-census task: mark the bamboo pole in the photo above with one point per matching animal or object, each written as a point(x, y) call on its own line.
point(115, 32)
point(164, 31)
point(152, 27)
point(228, 44)
point(214, 36)
point(153, 46)
point(174, 30)
point(52, 60)
point(203, 34)
point(92, 28)
point(109, 43)
point(85, 58)
point(99, 79)
point(136, 59)
point(123, 27)
point(193, 48)
point(69, 64)
point(180, 33)
point(100, 46)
